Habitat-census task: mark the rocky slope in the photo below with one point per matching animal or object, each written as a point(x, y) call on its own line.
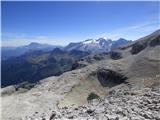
point(135, 70)
point(118, 105)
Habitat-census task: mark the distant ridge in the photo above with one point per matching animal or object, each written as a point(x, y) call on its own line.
point(97, 45)
point(8, 52)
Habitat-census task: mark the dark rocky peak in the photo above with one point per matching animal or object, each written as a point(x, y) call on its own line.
point(76, 52)
point(57, 51)
point(119, 42)
point(33, 44)
point(121, 39)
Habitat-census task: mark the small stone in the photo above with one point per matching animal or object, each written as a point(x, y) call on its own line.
point(89, 111)
point(36, 112)
point(70, 117)
point(52, 116)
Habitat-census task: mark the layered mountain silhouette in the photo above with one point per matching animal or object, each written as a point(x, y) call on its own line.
point(35, 65)
point(8, 52)
point(91, 45)
point(36, 61)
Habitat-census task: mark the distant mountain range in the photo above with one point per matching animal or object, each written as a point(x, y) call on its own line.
point(36, 61)
point(35, 65)
point(90, 45)
point(97, 45)
point(8, 52)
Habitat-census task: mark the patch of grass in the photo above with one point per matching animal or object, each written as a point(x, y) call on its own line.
point(92, 96)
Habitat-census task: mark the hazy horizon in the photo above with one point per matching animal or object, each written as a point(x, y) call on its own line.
point(59, 23)
point(29, 42)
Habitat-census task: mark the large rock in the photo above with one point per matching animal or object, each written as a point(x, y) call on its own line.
point(8, 90)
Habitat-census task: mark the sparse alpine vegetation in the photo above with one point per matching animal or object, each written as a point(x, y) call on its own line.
point(92, 96)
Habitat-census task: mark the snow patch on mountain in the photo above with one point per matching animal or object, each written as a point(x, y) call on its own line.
point(102, 44)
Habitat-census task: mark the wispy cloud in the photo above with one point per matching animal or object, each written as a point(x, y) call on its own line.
point(139, 26)
point(133, 32)
point(10, 35)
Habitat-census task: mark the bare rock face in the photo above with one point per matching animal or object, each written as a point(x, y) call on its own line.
point(138, 47)
point(115, 55)
point(110, 78)
point(155, 42)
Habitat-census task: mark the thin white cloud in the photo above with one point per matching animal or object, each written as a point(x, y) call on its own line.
point(133, 32)
point(135, 27)
point(41, 37)
point(12, 35)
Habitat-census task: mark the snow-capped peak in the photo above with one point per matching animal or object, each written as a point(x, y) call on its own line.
point(88, 41)
point(97, 40)
point(104, 38)
point(102, 44)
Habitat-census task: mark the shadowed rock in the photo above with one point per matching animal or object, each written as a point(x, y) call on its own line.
point(115, 55)
point(155, 42)
point(138, 47)
point(109, 78)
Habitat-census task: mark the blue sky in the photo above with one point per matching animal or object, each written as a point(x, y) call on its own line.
point(64, 22)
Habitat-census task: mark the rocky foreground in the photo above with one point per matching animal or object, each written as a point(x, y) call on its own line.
point(118, 105)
